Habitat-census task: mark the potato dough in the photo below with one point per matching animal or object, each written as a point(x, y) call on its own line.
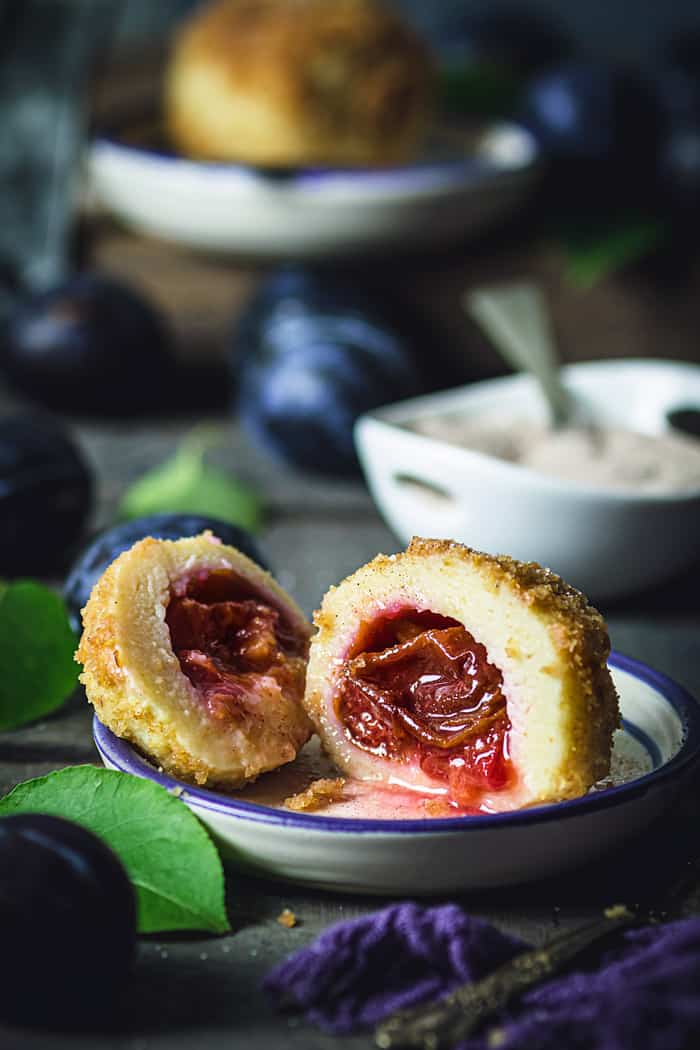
point(227, 706)
point(550, 646)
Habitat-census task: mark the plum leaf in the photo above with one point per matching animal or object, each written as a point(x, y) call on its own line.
point(186, 484)
point(37, 669)
point(169, 857)
point(592, 254)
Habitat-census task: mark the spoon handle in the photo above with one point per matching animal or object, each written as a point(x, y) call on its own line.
point(515, 318)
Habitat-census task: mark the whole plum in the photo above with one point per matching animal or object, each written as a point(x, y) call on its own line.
point(682, 50)
point(679, 171)
point(309, 356)
point(678, 163)
point(46, 493)
point(68, 918)
point(91, 345)
point(598, 125)
point(101, 551)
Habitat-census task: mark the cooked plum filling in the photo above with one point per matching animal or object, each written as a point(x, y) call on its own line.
point(419, 688)
point(231, 644)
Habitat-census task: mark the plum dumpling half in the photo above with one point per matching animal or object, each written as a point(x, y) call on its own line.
point(194, 654)
point(480, 679)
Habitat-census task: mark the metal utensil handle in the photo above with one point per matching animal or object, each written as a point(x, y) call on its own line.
point(516, 319)
point(444, 1023)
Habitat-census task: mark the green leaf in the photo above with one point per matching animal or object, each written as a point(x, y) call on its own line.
point(170, 858)
point(184, 483)
point(600, 249)
point(37, 669)
point(479, 89)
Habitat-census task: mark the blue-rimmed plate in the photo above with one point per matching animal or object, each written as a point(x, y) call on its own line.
point(461, 186)
point(658, 744)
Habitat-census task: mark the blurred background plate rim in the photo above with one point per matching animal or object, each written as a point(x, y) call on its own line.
point(470, 171)
point(229, 211)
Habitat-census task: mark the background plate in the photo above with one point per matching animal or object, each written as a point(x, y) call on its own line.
point(459, 188)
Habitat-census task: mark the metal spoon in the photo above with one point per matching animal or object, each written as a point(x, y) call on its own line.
point(516, 319)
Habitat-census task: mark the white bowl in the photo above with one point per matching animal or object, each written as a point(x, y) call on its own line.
point(228, 208)
point(658, 745)
point(606, 542)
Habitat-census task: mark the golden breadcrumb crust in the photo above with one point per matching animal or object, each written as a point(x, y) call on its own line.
point(567, 652)
point(321, 792)
point(133, 678)
point(298, 82)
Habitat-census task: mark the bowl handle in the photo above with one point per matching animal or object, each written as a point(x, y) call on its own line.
point(409, 482)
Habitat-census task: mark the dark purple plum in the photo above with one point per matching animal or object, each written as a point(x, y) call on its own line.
point(678, 94)
point(682, 50)
point(309, 356)
point(90, 346)
point(599, 126)
point(68, 918)
point(678, 162)
point(679, 171)
point(46, 495)
point(101, 551)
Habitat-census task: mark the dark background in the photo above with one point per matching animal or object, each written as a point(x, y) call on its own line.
point(615, 28)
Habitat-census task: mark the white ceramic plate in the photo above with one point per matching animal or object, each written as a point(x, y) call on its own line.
point(659, 742)
point(230, 209)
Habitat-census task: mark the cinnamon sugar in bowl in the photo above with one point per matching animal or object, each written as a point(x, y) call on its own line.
point(608, 539)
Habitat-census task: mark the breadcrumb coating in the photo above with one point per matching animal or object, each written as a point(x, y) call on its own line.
point(133, 677)
point(550, 644)
point(318, 794)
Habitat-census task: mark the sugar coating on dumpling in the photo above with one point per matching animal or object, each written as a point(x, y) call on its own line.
point(194, 653)
point(478, 678)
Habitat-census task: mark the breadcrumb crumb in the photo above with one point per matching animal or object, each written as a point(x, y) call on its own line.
point(438, 807)
point(317, 795)
point(287, 918)
point(618, 911)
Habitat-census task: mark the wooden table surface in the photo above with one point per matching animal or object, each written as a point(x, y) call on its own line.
point(204, 992)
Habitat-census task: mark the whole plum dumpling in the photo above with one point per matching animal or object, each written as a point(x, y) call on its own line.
point(197, 656)
point(479, 679)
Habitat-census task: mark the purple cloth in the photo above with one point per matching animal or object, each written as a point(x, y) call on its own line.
point(360, 971)
point(645, 994)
